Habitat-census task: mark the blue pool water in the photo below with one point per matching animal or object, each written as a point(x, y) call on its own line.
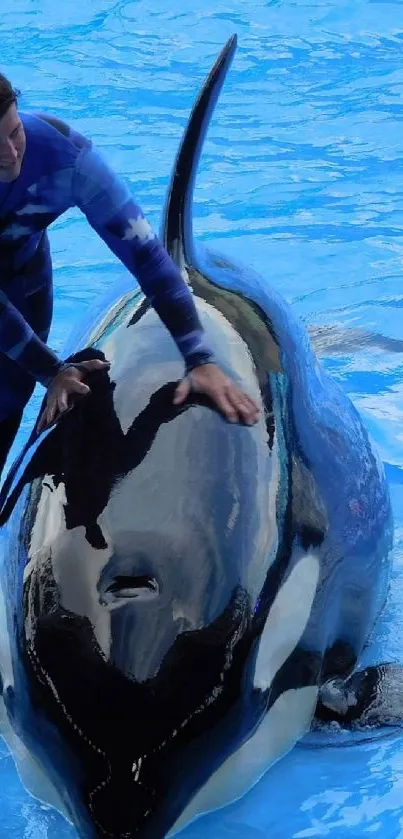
point(302, 176)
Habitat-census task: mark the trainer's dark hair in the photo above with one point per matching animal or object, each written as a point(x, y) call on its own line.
point(8, 95)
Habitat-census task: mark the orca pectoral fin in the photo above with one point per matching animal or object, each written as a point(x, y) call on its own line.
point(334, 339)
point(370, 697)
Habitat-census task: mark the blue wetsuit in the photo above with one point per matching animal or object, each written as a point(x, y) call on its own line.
point(61, 169)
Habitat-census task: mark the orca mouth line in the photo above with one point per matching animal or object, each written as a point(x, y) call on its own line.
point(139, 763)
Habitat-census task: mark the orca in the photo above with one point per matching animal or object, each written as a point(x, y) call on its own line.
point(182, 595)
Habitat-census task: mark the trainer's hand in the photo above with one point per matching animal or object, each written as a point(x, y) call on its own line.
point(66, 388)
point(208, 379)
